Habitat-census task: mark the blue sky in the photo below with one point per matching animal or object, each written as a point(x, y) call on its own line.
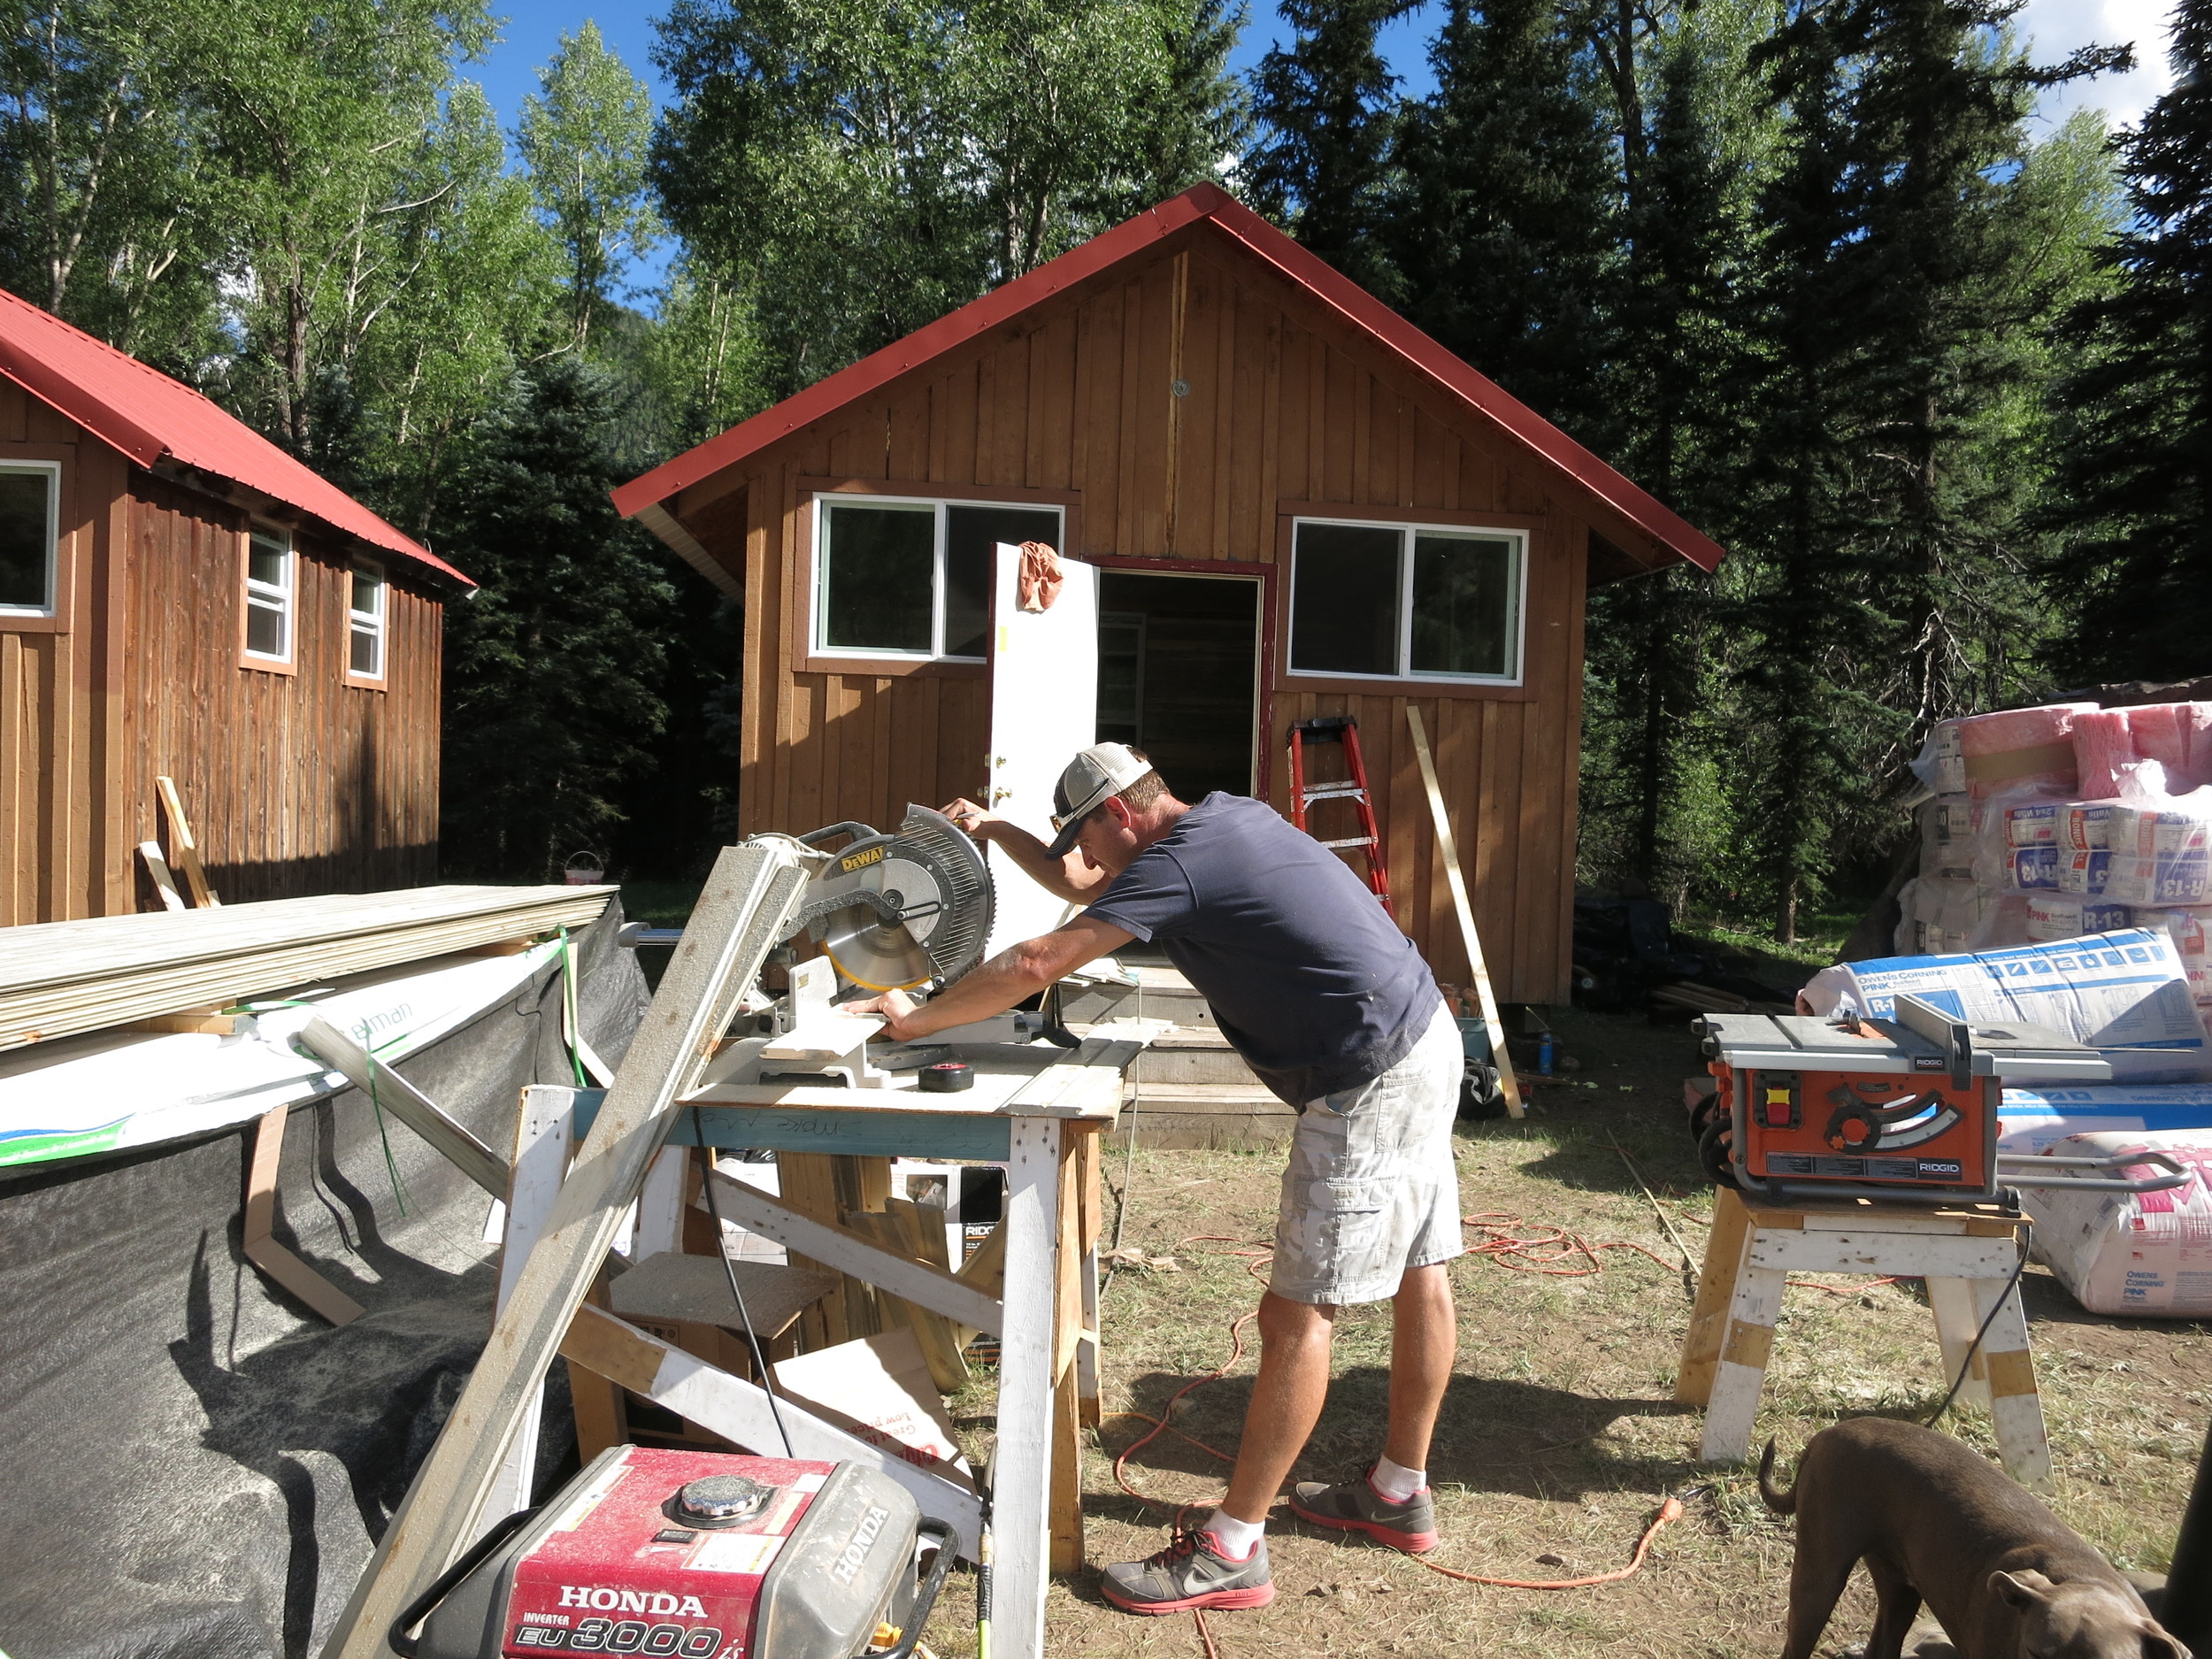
point(531, 33)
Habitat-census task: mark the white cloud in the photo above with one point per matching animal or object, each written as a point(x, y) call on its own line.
point(2055, 27)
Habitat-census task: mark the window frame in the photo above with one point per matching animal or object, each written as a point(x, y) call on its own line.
point(248, 658)
point(816, 653)
point(1408, 530)
point(383, 620)
point(50, 614)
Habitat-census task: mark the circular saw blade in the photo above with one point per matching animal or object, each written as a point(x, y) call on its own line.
point(874, 954)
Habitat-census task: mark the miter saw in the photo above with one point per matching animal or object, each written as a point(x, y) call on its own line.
point(895, 912)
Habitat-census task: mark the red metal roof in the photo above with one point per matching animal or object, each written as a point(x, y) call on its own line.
point(1208, 204)
point(148, 416)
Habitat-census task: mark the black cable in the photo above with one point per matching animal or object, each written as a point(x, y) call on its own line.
point(729, 1268)
point(2027, 1236)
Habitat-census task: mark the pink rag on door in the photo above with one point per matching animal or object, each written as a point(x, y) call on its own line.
point(1037, 584)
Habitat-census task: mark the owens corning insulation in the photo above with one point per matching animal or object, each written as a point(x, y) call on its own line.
point(2132, 1253)
point(2031, 1119)
point(2021, 746)
point(2124, 993)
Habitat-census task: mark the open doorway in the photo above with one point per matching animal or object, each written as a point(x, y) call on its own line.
point(1177, 675)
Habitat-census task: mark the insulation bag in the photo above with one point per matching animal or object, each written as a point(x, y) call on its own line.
point(2085, 873)
point(2033, 869)
point(2178, 736)
point(1946, 838)
point(2085, 826)
point(2056, 916)
point(2021, 746)
point(2030, 1119)
point(2101, 746)
point(2034, 823)
point(2123, 994)
point(2133, 1254)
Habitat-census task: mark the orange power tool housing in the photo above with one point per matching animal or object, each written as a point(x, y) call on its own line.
point(1899, 1109)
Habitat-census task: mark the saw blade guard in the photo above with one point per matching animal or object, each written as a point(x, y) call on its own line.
point(895, 911)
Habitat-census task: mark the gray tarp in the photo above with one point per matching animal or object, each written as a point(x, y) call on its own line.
point(191, 1464)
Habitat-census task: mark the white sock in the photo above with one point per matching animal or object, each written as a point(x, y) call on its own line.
point(1235, 1537)
point(1396, 1482)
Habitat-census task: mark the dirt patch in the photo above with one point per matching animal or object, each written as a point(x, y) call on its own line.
point(1559, 1437)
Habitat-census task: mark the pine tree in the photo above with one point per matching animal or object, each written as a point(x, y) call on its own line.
point(1689, 140)
point(2136, 493)
point(1323, 168)
point(1506, 228)
point(553, 667)
point(1915, 255)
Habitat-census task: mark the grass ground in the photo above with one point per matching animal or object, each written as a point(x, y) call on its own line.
point(1558, 1437)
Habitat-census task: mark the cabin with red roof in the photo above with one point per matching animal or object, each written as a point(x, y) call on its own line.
point(180, 598)
point(1297, 504)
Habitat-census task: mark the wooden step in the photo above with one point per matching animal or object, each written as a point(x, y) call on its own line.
point(1205, 1115)
point(1159, 994)
point(1193, 1055)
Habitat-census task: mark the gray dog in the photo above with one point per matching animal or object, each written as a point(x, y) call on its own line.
point(1934, 1520)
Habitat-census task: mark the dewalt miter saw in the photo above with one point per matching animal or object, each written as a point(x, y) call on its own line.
point(895, 912)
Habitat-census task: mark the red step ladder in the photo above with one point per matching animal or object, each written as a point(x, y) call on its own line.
point(1340, 728)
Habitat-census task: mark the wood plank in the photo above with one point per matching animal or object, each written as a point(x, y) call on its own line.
point(1022, 1528)
point(838, 1247)
point(1448, 853)
point(537, 1163)
point(738, 918)
point(183, 847)
point(164, 884)
point(388, 1088)
point(259, 1241)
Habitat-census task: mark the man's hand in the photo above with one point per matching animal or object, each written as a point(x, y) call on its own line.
point(896, 1007)
point(973, 818)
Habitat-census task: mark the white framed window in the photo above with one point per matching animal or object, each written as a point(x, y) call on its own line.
point(30, 533)
point(272, 586)
point(1407, 602)
point(365, 619)
point(910, 579)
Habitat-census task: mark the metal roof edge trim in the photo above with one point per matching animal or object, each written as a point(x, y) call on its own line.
point(1603, 482)
point(60, 393)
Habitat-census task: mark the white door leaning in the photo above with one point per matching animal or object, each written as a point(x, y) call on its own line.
point(1044, 707)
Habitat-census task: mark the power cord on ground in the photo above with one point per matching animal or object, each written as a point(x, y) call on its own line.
point(2027, 1237)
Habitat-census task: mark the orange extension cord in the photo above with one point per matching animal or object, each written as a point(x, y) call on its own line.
point(1502, 1242)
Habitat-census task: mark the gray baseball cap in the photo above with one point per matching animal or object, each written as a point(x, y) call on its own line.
point(1093, 778)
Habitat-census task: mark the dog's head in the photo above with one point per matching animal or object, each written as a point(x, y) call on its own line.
point(2080, 1619)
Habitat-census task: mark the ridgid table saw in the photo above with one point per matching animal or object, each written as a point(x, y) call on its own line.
point(1902, 1110)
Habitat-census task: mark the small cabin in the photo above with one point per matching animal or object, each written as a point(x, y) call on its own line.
point(180, 598)
point(1284, 502)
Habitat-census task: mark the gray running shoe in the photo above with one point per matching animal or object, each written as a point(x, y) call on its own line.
point(1190, 1572)
point(1355, 1506)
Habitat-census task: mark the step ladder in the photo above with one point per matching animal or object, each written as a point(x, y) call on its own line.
point(1340, 728)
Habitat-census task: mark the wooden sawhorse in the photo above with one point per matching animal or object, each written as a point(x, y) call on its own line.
point(1039, 1111)
point(1967, 1257)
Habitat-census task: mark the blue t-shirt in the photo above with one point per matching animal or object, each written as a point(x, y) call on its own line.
point(1306, 975)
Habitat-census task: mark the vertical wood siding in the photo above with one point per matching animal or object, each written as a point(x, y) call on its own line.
point(296, 783)
point(1284, 406)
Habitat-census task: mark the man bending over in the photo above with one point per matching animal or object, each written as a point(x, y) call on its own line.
point(1334, 1011)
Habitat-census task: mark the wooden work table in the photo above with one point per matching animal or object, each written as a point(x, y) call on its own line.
point(1038, 1110)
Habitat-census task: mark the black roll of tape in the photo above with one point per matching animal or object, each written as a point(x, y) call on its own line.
point(948, 1076)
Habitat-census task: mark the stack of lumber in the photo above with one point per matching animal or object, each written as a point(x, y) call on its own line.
point(1710, 998)
point(59, 979)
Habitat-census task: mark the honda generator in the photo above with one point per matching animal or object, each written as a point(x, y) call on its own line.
point(1903, 1109)
point(700, 1554)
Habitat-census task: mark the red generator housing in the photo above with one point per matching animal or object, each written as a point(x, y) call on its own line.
point(699, 1554)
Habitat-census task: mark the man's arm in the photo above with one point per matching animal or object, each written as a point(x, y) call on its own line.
point(1014, 975)
point(1062, 878)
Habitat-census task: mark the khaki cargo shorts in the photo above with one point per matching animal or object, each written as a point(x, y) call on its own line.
point(1372, 1189)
